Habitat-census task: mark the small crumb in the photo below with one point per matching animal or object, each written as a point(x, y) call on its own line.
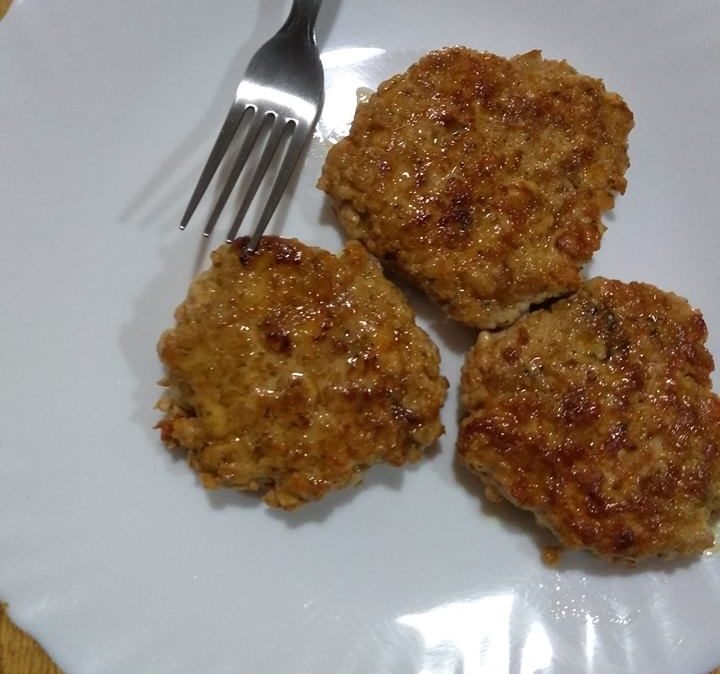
point(4, 7)
point(493, 495)
point(363, 94)
point(552, 554)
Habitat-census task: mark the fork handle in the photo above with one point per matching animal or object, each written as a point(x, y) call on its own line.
point(302, 17)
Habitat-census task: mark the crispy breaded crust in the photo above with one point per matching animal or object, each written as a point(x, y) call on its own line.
point(598, 416)
point(291, 371)
point(482, 179)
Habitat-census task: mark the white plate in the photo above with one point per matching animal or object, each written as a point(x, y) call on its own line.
point(110, 552)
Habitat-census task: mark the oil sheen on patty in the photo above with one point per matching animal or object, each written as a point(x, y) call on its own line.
point(482, 179)
point(598, 416)
point(290, 371)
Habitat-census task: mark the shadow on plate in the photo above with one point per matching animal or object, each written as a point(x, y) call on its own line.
point(515, 519)
point(451, 335)
point(160, 202)
point(162, 198)
point(151, 315)
point(589, 271)
point(379, 476)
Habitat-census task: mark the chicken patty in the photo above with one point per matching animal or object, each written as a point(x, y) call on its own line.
point(482, 179)
point(290, 371)
point(597, 415)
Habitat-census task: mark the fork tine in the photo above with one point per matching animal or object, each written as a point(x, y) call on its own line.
point(292, 154)
point(227, 132)
point(271, 145)
point(248, 143)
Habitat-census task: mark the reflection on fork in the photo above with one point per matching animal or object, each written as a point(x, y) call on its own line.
point(281, 95)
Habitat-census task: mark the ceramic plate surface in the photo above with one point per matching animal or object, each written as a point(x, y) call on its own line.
point(110, 551)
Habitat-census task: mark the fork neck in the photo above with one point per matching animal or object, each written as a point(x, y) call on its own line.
point(302, 17)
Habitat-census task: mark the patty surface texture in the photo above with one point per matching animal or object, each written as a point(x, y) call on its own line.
point(482, 179)
point(291, 370)
point(598, 416)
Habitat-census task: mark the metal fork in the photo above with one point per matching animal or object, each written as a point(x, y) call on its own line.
point(282, 89)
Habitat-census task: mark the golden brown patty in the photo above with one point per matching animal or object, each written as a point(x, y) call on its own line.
point(482, 179)
point(291, 371)
point(597, 415)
